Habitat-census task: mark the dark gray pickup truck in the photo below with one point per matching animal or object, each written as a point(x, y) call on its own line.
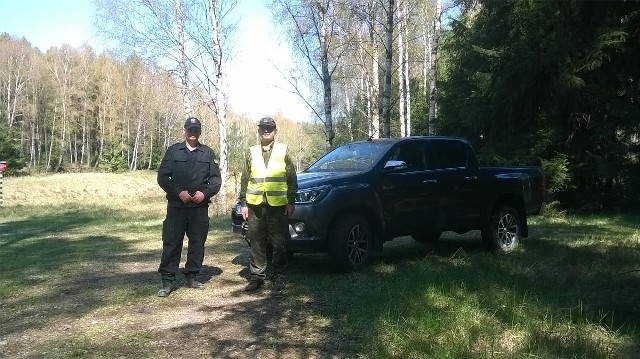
point(362, 194)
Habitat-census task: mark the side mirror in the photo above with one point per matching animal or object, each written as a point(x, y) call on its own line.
point(395, 165)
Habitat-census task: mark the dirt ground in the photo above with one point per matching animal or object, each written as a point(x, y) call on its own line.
point(220, 321)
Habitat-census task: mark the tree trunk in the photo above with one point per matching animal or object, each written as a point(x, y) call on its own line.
point(375, 95)
point(326, 83)
point(433, 59)
point(347, 102)
point(388, 60)
point(402, 109)
point(182, 61)
point(407, 83)
point(220, 102)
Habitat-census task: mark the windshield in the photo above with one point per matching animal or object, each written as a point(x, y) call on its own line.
point(358, 156)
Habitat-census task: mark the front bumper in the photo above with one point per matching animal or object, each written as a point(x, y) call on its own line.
point(311, 240)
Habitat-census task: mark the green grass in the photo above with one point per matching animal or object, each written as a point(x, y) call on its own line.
point(571, 291)
point(78, 254)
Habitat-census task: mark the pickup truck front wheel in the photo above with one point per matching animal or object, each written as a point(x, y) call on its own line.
point(502, 233)
point(350, 242)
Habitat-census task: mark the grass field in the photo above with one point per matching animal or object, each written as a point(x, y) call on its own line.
point(79, 253)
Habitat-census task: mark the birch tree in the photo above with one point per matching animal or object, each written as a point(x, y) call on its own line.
point(388, 62)
point(433, 58)
point(365, 59)
point(60, 62)
point(219, 88)
point(183, 65)
point(322, 40)
point(402, 84)
point(15, 57)
point(189, 37)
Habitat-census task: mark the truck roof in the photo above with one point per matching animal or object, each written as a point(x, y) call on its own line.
point(400, 139)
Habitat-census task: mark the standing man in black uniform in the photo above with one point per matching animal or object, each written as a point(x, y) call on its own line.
point(268, 189)
point(190, 176)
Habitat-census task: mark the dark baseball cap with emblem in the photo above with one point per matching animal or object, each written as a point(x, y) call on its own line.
point(192, 122)
point(267, 122)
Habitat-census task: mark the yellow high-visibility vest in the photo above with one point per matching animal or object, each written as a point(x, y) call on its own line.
point(268, 181)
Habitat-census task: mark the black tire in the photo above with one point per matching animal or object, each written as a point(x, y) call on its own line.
point(350, 243)
point(503, 232)
point(428, 237)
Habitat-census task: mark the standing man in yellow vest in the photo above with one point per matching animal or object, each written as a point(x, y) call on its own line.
point(267, 193)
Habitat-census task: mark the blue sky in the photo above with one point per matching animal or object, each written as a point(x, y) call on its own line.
point(46, 23)
point(255, 85)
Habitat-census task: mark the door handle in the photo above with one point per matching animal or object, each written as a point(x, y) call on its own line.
point(430, 181)
point(471, 177)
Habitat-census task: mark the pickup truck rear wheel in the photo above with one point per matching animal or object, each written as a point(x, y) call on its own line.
point(350, 242)
point(503, 231)
point(428, 237)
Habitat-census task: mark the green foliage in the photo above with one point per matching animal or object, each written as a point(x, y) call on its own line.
point(316, 144)
point(354, 126)
point(419, 110)
point(238, 140)
point(156, 157)
point(557, 179)
point(112, 159)
point(556, 172)
point(533, 79)
point(10, 150)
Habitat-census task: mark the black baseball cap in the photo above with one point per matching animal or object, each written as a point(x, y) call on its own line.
point(192, 122)
point(267, 122)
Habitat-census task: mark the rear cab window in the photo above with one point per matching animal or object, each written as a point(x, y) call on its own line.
point(448, 154)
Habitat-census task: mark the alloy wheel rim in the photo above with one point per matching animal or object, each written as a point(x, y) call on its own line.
point(507, 230)
point(357, 244)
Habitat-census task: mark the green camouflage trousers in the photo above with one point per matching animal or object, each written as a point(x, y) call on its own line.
point(267, 225)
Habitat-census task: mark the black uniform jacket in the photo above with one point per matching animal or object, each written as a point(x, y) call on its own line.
point(182, 170)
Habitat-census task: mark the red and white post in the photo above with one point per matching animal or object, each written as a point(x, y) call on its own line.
point(3, 169)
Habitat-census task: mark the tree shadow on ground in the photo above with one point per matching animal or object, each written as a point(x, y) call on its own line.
point(50, 271)
point(549, 274)
point(323, 314)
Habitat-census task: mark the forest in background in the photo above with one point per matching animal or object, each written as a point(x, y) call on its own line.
point(73, 110)
point(549, 83)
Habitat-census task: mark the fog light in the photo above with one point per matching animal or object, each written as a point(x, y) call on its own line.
point(299, 227)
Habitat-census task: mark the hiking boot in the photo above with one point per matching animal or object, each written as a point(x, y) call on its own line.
point(167, 287)
point(278, 282)
point(254, 284)
point(193, 283)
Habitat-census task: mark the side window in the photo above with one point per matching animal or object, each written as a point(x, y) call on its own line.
point(449, 154)
point(412, 154)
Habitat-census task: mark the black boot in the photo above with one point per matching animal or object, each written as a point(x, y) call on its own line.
point(193, 283)
point(167, 287)
point(254, 284)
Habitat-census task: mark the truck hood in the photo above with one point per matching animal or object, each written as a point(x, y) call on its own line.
point(314, 179)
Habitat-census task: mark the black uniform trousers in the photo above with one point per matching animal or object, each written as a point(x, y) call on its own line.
point(194, 221)
point(267, 224)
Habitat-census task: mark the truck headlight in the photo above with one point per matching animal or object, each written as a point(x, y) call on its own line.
point(310, 195)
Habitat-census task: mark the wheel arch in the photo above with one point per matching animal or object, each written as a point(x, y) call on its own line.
point(515, 201)
point(375, 223)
